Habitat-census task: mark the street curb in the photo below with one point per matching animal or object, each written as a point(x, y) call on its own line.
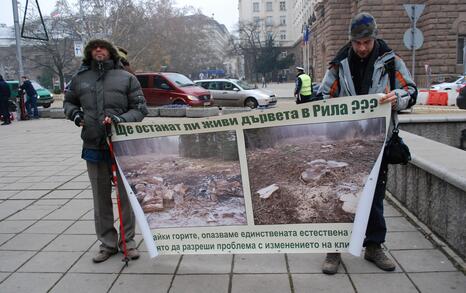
point(429, 234)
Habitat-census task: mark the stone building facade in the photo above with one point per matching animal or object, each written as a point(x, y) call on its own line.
point(443, 24)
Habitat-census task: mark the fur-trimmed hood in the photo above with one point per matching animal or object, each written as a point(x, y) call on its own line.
point(104, 43)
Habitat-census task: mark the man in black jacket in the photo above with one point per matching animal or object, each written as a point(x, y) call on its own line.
point(101, 92)
point(31, 99)
point(4, 96)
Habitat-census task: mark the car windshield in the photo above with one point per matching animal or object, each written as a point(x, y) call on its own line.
point(36, 86)
point(179, 79)
point(244, 85)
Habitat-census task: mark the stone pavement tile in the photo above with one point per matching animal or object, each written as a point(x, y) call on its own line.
point(5, 237)
point(85, 194)
point(18, 186)
point(259, 263)
point(51, 202)
point(9, 207)
point(50, 262)
point(66, 194)
point(49, 227)
point(81, 227)
point(29, 194)
point(201, 284)
point(72, 210)
point(307, 263)
point(45, 185)
point(11, 260)
point(449, 282)
point(141, 283)
point(205, 264)
point(423, 260)
point(85, 264)
point(60, 178)
point(407, 240)
point(30, 214)
point(71, 243)
point(89, 216)
point(32, 179)
point(14, 226)
point(8, 180)
point(399, 224)
point(162, 264)
point(304, 283)
point(31, 242)
point(5, 194)
point(3, 276)
point(75, 185)
point(383, 283)
point(259, 283)
point(29, 282)
point(357, 265)
point(89, 283)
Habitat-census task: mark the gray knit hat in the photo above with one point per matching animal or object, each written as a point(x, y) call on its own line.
point(361, 26)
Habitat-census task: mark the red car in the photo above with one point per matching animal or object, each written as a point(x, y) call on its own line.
point(164, 88)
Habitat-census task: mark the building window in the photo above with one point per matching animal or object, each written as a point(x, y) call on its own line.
point(282, 6)
point(460, 46)
point(255, 7)
point(282, 20)
point(268, 6)
point(269, 21)
point(283, 54)
point(269, 36)
point(256, 20)
point(282, 35)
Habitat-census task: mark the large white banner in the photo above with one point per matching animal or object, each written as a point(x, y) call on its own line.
point(297, 179)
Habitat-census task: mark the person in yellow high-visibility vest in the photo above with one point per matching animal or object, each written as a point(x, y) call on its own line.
point(303, 89)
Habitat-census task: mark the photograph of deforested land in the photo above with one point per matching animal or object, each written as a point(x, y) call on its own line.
point(186, 180)
point(312, 173)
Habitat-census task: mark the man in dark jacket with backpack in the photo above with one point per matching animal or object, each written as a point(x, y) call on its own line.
point(102, 92)
point(30, 97)
point(366, 65)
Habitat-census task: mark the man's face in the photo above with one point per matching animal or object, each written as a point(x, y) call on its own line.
point(363, 47)
point(100, 53)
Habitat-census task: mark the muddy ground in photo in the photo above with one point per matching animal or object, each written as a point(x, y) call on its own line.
point(186, 192)
point(313, 178)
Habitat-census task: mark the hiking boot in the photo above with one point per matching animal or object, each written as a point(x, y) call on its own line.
point(133, 253)
point(103, 255)
point(374, 253)
point(331, 263)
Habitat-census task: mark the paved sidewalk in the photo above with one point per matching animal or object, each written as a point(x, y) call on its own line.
point(47, 239)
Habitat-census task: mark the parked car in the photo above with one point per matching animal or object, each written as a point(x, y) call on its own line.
point(164, 88)
point(237, 93)
point(44, 99)
point(450, 85)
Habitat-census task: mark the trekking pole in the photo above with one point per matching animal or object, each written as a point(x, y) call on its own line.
point(108, 131)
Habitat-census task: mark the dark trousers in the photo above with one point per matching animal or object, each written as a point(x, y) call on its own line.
point(376, 227)
point(4, 110)
point(305, 99)
point(31, 105)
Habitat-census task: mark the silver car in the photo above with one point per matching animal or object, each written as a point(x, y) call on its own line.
point(237, 93)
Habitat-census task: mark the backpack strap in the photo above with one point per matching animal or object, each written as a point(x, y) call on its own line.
point(390, 69)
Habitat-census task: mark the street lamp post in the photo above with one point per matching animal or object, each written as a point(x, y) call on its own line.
point(19, 57)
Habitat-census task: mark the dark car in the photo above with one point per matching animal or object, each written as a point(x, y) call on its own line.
point(165, 88)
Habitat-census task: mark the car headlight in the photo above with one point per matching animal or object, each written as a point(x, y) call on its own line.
point(192, 98)
point(51, 95)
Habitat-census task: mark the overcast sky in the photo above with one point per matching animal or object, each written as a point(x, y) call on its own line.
point(225, 11)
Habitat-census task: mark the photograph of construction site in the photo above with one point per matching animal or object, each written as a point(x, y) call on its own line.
point(189, 180)
point(311, 173)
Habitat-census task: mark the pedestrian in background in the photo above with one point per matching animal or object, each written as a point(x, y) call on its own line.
point(303, 87)
point(5, 94)
point(104, 92)
point(264, 82)
point(30, 96)
point(366, 65)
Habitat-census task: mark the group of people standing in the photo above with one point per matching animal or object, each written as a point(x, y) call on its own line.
point(360, 67)
point(30, 99)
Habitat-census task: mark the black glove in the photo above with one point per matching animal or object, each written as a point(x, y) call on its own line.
point(78, 118)
point(117, 119)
